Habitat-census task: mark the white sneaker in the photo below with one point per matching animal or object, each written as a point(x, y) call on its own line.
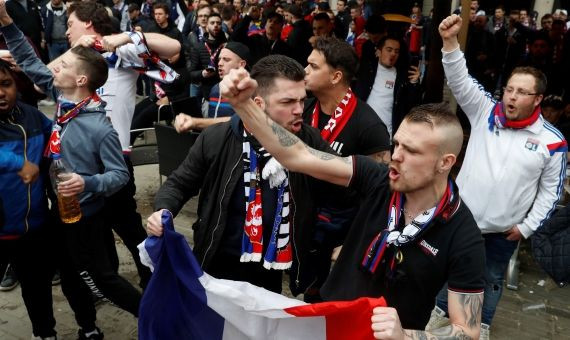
point(485, 333)
point(437, 319)
point(48, 338)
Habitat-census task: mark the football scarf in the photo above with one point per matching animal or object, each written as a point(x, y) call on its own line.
point(65, 112)
point(151, 65)
point(279, 253)
point(338, 119)
point(384, 247)
point(499, 119)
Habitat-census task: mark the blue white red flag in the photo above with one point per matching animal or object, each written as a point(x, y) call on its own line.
point(183, 302)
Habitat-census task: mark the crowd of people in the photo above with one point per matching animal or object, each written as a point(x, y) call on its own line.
point(318, 157)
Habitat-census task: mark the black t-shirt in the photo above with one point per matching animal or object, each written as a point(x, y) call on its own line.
point(363, 134)
point(451, 251)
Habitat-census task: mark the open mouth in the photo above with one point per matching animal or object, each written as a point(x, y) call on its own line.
point(393, 174)
point(510, 108)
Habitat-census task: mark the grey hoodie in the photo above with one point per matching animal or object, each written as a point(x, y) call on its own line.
point(89, 144)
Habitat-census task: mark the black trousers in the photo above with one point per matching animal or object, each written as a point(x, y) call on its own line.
point(86, 269)
point(123, 218)
point(32, 259)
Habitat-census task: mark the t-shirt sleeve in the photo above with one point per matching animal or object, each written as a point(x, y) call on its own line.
point(373, 136)
point(467, 262)
point(368, 175)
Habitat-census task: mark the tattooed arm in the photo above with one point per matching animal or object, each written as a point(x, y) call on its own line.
point(464, 315)
point(291, 152)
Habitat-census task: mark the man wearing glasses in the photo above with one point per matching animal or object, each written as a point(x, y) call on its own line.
point(514, 167)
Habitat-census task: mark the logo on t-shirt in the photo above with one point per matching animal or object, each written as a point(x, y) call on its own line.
point(428, 249)
point(531, 144)
point(389, 84)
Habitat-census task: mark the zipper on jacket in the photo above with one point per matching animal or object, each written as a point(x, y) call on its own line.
point(29, 186)
point(219, 212)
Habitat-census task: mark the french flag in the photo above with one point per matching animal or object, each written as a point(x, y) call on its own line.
point(183, 302)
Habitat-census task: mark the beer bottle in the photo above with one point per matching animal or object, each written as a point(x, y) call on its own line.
point(69, 209)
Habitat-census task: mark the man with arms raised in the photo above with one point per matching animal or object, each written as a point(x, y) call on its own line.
point(412, 232)
point(248, 228)
point(514, 166)
point(90, 25)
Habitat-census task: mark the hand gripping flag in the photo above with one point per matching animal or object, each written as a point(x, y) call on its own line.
point(182, 302)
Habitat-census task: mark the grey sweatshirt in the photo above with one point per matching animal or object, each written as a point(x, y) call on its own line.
point(89, 144)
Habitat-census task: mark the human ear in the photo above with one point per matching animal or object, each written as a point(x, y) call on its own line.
point(446, 162)
point(260, 102)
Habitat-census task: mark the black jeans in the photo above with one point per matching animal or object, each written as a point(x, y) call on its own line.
point(86, 270)
point(32, 259)
point(122, 216)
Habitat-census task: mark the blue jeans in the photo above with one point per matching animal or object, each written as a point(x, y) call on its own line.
point(55, 49)
point(498, 252)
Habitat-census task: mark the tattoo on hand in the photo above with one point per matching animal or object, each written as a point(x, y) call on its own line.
point(286, 138)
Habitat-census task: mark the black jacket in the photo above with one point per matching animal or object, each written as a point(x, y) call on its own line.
point(551, 246)
point(298, 41)
point(28, 21)
point(259, 45)
point(406, 95)
point(200, 59)
point(214, 167)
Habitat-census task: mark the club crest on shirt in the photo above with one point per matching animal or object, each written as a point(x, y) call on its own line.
point(389, 84)
point(531, 144)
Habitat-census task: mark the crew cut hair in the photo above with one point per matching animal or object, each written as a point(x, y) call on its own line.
point(434, 114)
point(339, 55)
point(274, 66)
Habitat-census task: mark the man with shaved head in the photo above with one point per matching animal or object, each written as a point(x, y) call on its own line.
point(412, 232)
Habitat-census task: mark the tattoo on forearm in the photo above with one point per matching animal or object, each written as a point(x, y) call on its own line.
point(472, 305)
point(286, 138)
point(327, 156)
point(444, 333)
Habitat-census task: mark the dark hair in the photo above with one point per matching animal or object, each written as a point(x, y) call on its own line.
point(295, 11)
point(133, 7)
point(539, 77)
point(553, 101)
point(214, 14)
point(546, 16)
point(6, 68)
point(322, 16)
point(274, 66)
point(375, 24)
point(95, 13)
point(274, 15)
point(227, 12)
point(93, 65)
point(339, 55)
point(162, 6)
point(383, 40)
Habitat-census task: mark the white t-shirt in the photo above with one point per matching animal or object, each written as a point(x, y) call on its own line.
point(381, 97)
point(119, 92)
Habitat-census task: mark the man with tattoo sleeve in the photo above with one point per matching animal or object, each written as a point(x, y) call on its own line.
point(412, 232)
point(251, 227)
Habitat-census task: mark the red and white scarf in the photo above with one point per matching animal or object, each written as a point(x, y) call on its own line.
point(279, 254)
point(65, 112)
point(338, 119)
point(499, 119)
